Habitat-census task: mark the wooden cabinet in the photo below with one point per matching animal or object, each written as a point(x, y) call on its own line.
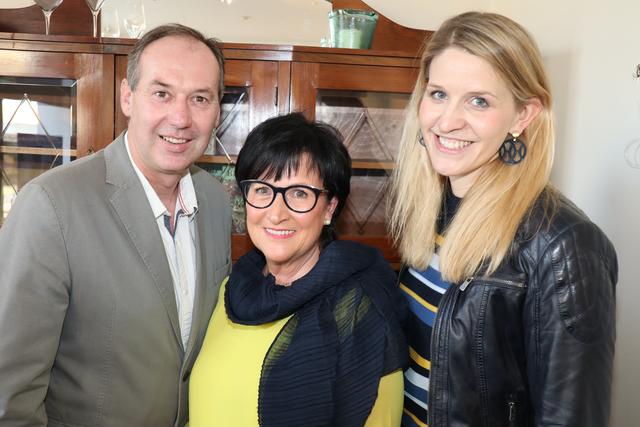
point(55, 106)
point(361, 92)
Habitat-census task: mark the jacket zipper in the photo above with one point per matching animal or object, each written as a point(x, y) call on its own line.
point(444, 309)
point(512, 411)
point(465, 284)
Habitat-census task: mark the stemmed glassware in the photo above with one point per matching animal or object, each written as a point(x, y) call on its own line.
point(109, 22)
point(47, 6)
point(134, 19)
point(95, 6)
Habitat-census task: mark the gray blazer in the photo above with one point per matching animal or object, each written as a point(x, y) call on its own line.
point(89, 331)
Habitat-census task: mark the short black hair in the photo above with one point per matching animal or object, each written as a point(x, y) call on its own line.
point(277, 146)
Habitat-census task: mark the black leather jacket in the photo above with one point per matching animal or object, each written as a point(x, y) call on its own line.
point(531, 345)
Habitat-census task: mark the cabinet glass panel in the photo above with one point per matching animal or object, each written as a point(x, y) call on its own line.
point(234, 123)
point(38, 122)
point(371, 123)
point(225, 174)
point(364, 212)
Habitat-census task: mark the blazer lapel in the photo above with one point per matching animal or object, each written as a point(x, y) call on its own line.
point(130, 203)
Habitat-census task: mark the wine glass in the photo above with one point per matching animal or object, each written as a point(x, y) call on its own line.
point(47, 6)
point(109, 22)
point(134, 19)
point(95, 6)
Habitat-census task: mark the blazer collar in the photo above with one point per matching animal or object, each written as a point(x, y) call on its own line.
point(131, 205)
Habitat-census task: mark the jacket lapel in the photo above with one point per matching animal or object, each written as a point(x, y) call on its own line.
point(130, 203)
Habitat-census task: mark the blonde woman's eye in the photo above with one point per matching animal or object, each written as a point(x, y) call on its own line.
point(479, 102)
point(438, 95)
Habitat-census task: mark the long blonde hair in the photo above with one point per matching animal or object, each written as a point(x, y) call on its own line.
point(484, 227)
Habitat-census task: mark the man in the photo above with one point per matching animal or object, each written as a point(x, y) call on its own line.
point(109, 267)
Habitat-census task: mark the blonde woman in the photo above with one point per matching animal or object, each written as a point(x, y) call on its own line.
point(511, 287)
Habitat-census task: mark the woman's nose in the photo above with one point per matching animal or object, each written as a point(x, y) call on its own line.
point(278, 211)
point(452, 118)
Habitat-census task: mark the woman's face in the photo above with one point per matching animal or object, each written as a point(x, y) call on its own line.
point(465, 114)
point(286, 238)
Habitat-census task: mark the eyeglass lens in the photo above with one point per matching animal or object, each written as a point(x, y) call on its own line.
point(297, 198)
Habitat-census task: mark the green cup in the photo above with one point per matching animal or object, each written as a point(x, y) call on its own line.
point(352, 28)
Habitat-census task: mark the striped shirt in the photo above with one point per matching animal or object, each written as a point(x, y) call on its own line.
point(423, 290)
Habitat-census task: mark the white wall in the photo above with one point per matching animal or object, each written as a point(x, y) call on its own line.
point(302, 22)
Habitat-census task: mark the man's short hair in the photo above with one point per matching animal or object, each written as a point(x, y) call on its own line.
point(172, 30)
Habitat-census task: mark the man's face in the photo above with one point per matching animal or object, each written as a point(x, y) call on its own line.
point(174, 108)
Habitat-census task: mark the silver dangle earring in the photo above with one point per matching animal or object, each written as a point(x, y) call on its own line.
point(513, 150)
point(421, 140)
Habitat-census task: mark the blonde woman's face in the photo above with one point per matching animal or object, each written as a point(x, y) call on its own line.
point(465, 115)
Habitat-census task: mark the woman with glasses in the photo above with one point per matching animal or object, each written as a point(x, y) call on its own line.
point(511, 286)
point(309, 332)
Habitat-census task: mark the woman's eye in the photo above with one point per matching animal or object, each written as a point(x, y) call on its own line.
point(438, 95)
point(300, 193)
point(261, 190)
point(479, 102)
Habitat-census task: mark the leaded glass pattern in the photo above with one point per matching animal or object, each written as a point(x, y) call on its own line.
point(37, 131)
point(371, 123)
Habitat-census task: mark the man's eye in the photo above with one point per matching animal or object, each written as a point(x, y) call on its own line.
point(160, 94)
point(201, 99)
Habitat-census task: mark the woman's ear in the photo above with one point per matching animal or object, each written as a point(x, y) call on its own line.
point(527, 114)
point(331, 207)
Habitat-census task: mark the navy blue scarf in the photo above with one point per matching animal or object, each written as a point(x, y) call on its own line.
point(324, 367)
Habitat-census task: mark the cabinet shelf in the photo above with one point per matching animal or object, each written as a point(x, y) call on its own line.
point(38, 151)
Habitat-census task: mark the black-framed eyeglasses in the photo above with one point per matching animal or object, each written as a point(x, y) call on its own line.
point(298, 198)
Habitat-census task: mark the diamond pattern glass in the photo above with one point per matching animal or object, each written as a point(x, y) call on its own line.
point(37, 118)
point(234, 123)
point(371, 123)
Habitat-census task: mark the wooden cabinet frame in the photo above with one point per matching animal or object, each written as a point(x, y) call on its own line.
point(94, 76)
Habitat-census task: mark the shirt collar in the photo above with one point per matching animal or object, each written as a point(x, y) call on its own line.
point(186, 201)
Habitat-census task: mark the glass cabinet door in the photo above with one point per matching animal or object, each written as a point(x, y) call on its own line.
point(54, 107)
point(371, 124)
point(251, 96)
point(38, 124)
point(366, 103)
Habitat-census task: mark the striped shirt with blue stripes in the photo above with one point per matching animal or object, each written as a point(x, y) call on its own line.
point(423, 290)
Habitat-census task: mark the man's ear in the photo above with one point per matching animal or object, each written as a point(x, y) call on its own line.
point(125, 98)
